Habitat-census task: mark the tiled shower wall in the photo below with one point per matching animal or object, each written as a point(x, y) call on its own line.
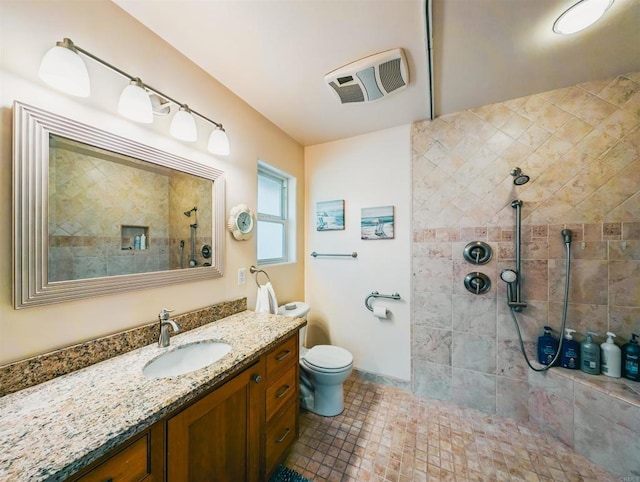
point(186, 192)
point(83, 245)
point(581, 147)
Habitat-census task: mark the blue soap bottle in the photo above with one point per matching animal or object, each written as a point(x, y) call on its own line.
point(630, 356)
point(547, 346)
point(570, 356)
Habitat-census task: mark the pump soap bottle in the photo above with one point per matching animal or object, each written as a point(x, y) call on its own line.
point(630, 354)
point(610, 357)
point(590, 355)
point(570, 355)
point(547, 347)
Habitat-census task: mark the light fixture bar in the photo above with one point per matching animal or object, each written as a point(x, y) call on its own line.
point(62, 68)
point(69, 43)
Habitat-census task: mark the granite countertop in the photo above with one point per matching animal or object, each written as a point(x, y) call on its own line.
point(50, 431)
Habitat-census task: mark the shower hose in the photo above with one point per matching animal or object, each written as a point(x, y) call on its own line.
point(564, 317)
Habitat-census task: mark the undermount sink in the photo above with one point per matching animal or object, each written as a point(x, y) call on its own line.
point(186, 358)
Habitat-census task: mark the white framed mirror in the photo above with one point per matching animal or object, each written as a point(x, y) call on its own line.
point(95, 213)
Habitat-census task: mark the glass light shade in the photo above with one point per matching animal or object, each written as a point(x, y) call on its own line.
point(64, 70)
point(183, 125)
point(219, 142)
point(580, 16)
point(135, 103)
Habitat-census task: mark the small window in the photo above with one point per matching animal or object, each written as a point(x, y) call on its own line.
point(274, 215)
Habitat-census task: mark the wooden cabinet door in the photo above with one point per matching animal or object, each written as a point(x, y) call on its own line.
point(139, 459)
point(218, 437)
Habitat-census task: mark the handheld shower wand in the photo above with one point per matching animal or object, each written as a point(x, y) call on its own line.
point(566, 239)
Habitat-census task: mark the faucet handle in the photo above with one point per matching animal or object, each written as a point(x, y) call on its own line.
point(164, 314)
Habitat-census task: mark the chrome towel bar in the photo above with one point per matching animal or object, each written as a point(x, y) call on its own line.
point(351, 255)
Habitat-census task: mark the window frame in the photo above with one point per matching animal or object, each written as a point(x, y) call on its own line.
point(266, 171)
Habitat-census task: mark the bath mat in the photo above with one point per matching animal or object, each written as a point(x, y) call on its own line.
point(285, 474)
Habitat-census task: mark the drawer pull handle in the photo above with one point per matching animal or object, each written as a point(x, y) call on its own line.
point(284, 436)
point(282, 391)
point(283, 354)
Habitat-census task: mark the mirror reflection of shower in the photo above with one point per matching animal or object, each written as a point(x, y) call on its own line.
point(181, 253)
point(193, 226)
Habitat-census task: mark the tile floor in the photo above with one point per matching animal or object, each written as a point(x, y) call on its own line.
point(388, 434)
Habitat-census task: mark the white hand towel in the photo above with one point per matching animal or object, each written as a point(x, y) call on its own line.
point(262, 300)
point(273, 302)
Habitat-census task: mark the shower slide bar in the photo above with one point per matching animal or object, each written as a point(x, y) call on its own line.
point(350, 255)
point(375, 294)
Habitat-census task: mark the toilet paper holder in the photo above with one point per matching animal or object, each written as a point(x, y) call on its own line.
point(375, 294)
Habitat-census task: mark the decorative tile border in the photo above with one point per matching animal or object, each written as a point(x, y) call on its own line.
point(38, 369)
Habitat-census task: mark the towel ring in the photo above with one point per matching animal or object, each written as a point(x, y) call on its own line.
point(253, 269)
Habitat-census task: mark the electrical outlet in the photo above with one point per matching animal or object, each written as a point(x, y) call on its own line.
point(242, 276)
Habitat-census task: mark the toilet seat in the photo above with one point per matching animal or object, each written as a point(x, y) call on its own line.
point(327, 358)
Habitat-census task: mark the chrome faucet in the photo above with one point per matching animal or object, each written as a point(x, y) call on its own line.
point(165, 323)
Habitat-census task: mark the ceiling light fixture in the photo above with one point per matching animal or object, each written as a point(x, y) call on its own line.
point(63, 69)
point(580, 16)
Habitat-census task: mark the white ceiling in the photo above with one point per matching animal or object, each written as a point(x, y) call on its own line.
point(274, 54)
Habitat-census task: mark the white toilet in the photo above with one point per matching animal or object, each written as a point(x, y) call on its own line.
point(323, 370)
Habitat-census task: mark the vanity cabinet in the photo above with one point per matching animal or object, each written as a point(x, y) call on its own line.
point(140, 459)
point(239, 431)
point(281, 404)
point(218, 437)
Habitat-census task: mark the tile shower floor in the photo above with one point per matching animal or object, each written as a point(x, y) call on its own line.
point(388, 434)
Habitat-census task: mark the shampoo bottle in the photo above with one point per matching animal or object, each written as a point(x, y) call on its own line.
point(547, 347)
point(570, 356)
point(590, 355)
point(630, 354)
point(143, 242)
point(610, 357)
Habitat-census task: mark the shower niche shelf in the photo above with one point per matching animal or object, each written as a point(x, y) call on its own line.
point(128, 236)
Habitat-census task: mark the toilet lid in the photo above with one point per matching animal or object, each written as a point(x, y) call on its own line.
point(328, 357)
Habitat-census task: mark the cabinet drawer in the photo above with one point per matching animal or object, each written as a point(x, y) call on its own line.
point(131, 464)
point(281, 391)
point(281, 357)
point(280, 435)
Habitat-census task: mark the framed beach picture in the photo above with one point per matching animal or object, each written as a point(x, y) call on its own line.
point(330, 215)
point(377, 223)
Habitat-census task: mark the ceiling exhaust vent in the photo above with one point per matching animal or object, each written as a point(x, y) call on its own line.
point(370, 78)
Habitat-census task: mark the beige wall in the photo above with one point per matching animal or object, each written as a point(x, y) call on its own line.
point(27, 31)
point(581, 147)
point(366, 171)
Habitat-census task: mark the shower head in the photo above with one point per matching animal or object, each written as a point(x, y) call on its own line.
point(518, 178)
point(509, 276)
point(188, 213)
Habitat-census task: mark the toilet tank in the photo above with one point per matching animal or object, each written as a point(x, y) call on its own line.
point(298, 309)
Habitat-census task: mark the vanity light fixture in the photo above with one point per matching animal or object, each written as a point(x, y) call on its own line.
point(580, 16)
point(135, 103)
point(183, 125)
point(219, 142)
point(63, 69)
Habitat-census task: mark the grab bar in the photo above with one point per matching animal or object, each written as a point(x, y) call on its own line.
point(351, 255)
point(375, 294)
point(253, 269)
